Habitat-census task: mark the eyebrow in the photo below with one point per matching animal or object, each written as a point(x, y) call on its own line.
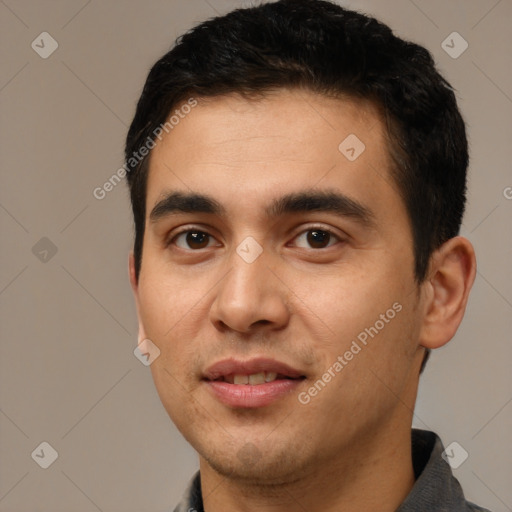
point(327, 201)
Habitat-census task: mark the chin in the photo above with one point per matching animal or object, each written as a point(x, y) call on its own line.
point(250, 465)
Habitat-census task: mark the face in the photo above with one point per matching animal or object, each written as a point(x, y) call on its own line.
point(277, 246)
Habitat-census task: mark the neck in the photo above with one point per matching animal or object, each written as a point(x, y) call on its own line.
point(376, 474)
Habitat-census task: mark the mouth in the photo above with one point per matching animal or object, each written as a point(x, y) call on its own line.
point(255, 379)
point(253, 383)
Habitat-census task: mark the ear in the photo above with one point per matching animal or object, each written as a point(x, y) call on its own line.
point(451, 276)
point(135, 288)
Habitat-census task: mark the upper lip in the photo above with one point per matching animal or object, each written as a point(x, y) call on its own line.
point(249, 367)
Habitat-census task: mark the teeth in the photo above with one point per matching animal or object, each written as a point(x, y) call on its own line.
point(241, 379)
point(270, 376)
point(257, 378)
point(254, 379)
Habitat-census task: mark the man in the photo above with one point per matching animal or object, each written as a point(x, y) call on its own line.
point(297, 176)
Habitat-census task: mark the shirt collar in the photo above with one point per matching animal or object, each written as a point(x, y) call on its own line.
point(435, 487)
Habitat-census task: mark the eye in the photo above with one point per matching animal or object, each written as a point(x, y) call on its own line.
point(313, 238)
point(317, 238)
point(192, 239)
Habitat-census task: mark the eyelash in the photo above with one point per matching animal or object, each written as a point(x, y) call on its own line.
point(310, 228)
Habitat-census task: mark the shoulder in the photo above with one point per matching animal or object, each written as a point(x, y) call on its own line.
point(475, 508)
point(436, 487)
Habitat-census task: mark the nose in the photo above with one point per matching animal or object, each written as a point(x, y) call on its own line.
point(250, 297)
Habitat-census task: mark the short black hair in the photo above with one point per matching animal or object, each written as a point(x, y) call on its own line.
point(319, 46)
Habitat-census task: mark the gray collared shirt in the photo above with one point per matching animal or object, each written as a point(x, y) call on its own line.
point(435, 489)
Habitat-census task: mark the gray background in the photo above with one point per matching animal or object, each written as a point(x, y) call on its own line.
point(68, 373)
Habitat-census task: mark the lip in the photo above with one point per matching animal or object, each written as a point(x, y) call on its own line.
point(246, 395)
point(256, 365)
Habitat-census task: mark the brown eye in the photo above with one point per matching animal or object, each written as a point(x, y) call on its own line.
point(316, 238)
point(192, 239)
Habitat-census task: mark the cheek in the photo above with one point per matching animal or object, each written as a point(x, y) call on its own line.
point(376, 359)
point(169, 312)
point(175, 394)
point(372, 310)
point(169, 317)
point(350, 299)
point(165, 301)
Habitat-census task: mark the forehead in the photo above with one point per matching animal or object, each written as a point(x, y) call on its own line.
point(288, 114)
point(290, 140)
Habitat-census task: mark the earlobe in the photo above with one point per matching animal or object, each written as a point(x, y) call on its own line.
point(451, 276)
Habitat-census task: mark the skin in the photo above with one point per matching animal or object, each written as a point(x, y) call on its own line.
point(303, 304)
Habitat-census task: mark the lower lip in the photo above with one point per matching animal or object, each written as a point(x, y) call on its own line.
point(248, 396)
